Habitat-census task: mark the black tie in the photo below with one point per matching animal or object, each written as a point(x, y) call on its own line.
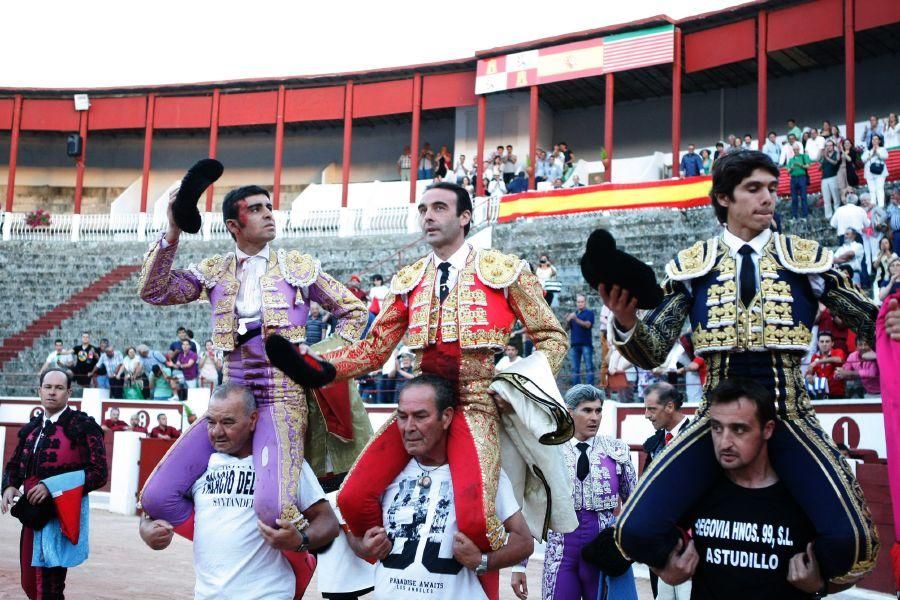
point(583, 465)
point(445, 275)
point(748, 275)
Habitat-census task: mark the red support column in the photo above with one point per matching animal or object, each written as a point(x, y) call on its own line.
point(608, 111)
point(213, 142)
point(13, 152)
point(479, 152)
point(279, 147)
point(79, 162)
point(849, 70)
point(762, 77)
point(148, 150)
point(414, 138)
point(348, 141)
point(676, 102)
point(532, 133)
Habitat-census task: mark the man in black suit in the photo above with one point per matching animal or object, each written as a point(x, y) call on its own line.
point(662, 407)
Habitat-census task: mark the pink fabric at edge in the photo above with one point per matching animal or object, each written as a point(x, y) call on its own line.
point(888, 352)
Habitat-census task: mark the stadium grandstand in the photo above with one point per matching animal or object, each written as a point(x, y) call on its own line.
point(553, 137)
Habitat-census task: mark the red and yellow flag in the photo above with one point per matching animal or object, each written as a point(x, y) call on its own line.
point(675, 193)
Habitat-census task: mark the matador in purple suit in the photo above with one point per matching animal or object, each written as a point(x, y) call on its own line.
point(602, 475)
point(254, 292)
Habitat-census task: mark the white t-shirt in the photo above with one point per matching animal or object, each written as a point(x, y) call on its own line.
point(60, 360)
point(505, 362)
point(420, 565)
point(858, 252)
point(231, 559)
point(849, 216)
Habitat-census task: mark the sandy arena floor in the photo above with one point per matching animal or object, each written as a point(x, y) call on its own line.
point(121, 566)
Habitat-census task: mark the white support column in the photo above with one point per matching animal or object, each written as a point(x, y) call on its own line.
point(347, 222)
point(142, 226)
point(206, 229)
point(76, 227)
point(92, 402)
point(281, 220)
point(3, 458)
point(7, 227)
point(123, 474)
point(412, 219)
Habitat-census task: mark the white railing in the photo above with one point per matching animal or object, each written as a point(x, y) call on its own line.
point(485, 210)
point(106, 227)
point(15, 227)
point(314, 223)
point(337, 222)
point(381, 221)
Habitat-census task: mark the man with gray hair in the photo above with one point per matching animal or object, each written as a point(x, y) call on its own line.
point(602, 474)
point(234, 552)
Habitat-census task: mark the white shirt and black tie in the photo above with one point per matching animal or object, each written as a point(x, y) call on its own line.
point(738, 249)
point(452, 266)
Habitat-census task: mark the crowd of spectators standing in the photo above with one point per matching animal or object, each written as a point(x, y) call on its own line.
point(503, 170)
point(798, 149)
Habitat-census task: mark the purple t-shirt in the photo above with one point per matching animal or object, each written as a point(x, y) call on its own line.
point(183, 359)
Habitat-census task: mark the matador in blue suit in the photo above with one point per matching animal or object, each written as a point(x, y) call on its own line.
point(752, 296)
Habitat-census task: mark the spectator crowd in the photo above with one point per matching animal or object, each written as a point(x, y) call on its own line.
point(503, 170)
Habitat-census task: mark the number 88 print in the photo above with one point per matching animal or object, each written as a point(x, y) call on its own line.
point(408, 515)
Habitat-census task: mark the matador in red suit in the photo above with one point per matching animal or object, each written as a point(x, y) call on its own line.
point(457, 307)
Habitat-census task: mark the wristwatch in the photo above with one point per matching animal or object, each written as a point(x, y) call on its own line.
point(304, 544)
point(482, 567)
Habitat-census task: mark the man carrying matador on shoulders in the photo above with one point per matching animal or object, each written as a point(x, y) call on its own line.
point(457, 307)
point(255, 291)
point(751, 295)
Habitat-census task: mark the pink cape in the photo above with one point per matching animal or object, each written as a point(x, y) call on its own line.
point(888, 352)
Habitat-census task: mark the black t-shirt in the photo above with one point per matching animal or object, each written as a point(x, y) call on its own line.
point(745, 539)
point(85, 358)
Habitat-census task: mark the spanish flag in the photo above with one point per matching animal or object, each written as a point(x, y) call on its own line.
point(675, 193)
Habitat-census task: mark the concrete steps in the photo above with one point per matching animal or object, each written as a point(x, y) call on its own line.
point(12, 345)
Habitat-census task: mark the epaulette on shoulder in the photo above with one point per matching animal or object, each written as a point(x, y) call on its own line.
point(800, 255)
point(299, 270)
point(694, 261)
point(496, 269)
point(615, 449)
point(78, 424)
point(409, 276)
point(210, 270)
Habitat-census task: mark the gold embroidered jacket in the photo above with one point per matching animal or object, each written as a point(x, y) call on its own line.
point(492, 291)
point(701, 284)
point(291, 280)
